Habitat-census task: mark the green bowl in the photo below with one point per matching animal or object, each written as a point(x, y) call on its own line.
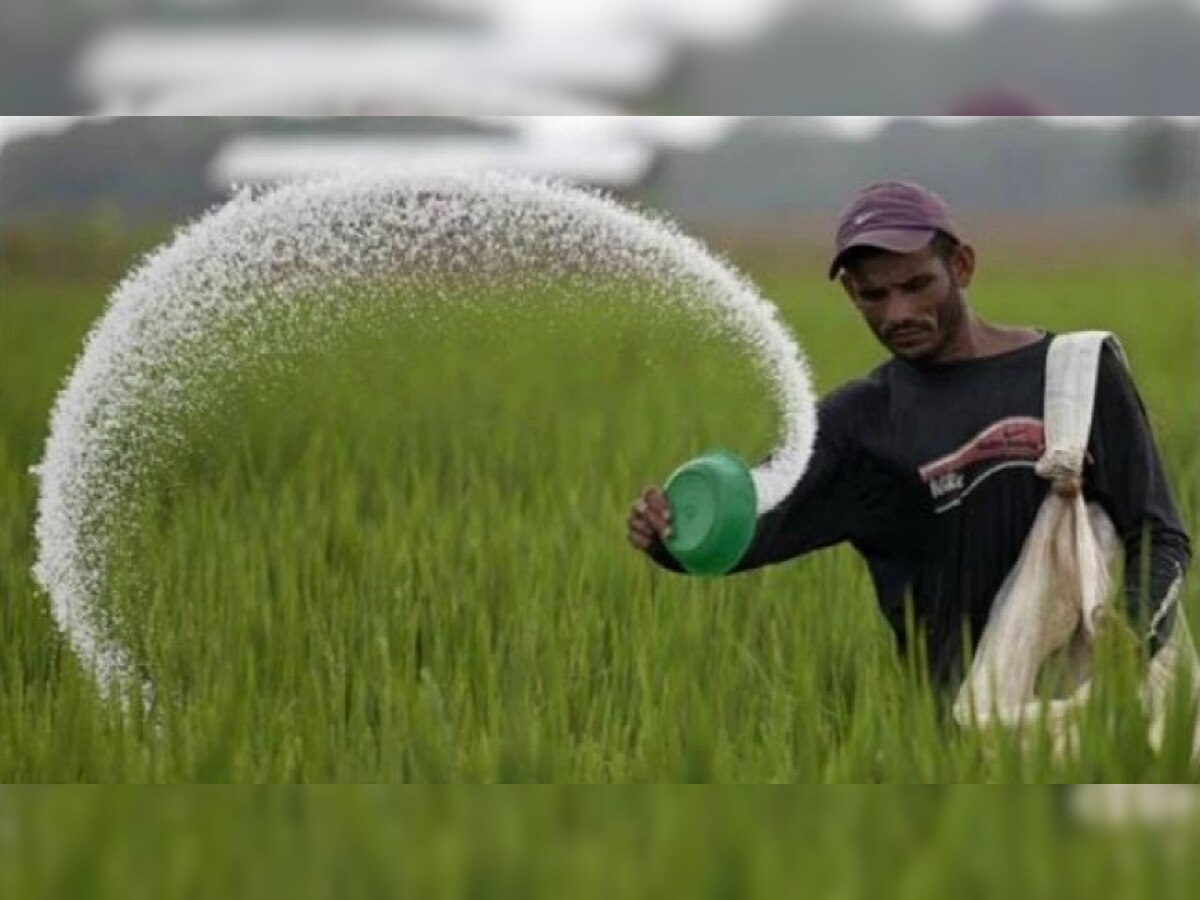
point(714, 511)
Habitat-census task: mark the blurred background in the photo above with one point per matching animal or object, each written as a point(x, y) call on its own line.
point(148, 111)
point(917, 57)
point(1041, 184)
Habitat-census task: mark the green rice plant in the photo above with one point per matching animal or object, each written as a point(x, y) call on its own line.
point(402, 558)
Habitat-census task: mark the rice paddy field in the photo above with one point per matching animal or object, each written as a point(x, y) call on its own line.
point(402, 559)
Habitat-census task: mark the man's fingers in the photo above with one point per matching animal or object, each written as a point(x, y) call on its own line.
point(648, 527)
point(653, 505)
point(641, 532)
point(641, 527)
point(661, 525)
point(655, 499)
point(654, 523)
point(649, 519)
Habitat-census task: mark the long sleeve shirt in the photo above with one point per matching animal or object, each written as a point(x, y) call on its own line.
point(928, 472)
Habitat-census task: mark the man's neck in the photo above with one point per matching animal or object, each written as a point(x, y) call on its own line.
point(978, 339)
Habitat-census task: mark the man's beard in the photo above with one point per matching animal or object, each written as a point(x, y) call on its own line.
point(941, 330)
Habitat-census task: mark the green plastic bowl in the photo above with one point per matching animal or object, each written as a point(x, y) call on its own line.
point(714, 511)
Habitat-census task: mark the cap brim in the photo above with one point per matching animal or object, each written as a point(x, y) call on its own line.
point(896, 240)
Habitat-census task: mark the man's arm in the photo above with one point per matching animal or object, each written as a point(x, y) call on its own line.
point(1129, 480)
point(819, 511)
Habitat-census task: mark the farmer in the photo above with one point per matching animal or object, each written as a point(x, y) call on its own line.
point(926, 465)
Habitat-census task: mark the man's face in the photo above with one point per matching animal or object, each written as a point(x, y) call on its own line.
point(912, 302)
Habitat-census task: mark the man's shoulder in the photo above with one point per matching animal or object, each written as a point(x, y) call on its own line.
point(859, 397)
point(1112, 365)
point(1114, 378)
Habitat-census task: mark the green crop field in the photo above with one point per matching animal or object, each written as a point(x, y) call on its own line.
point(902, 842)
point(404, 559)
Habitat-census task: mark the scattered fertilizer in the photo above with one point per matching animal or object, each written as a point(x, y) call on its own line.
point(272, 272)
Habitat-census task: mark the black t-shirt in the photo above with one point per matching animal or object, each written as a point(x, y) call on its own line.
point(928, 471)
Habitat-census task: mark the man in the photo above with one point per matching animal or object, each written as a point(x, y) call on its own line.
point(926, 465)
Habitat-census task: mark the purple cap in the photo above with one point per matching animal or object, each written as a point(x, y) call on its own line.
point(894, 215)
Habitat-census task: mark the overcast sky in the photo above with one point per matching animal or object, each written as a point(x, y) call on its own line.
point(739, 19)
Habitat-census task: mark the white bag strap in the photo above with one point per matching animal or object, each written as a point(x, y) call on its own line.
point(1072, 364)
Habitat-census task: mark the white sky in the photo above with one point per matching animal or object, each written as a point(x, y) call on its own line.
point(682, 131)
point(739, 19)
point(864, 127)
point(136, 60)
point(13, 127)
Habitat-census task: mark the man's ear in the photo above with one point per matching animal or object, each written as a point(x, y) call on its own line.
point(962, 265)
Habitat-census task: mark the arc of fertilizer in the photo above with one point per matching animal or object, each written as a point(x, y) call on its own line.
point(269, 255)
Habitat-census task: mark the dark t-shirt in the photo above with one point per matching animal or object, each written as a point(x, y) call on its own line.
point(928, 471)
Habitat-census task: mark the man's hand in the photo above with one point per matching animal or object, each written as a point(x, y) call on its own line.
point(649, 519)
